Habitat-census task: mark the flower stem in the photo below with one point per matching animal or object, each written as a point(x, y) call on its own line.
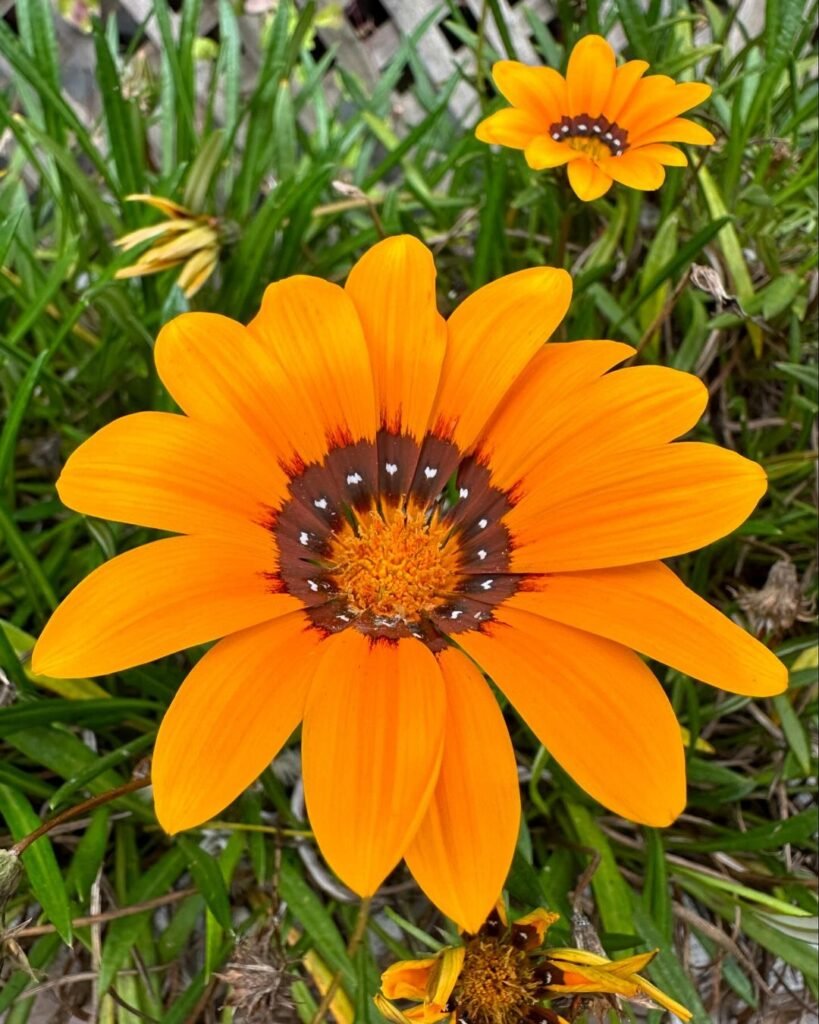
point(72, 812)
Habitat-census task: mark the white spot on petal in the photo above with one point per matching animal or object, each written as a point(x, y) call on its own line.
point(597, 129)
point(481, 554)
point(430, 472)
point(487, 584)
point(556, 136)
point(607, 136)
point(343, 618)
point(464, 492)
point(304, 537)
point(483, 523)
point(313, 585)
point(456, 614)
point(354, 478)
point(320, 502)
point(565, 129)
point(391, 468)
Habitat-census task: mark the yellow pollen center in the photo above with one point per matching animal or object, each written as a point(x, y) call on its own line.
point(496, 984)
point(395, 566)
point(591, 147)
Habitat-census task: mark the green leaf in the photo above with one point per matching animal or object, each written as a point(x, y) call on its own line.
point(780, 294)
point(313, 916)
point(666, 971)
point(84, 712)
point(795, 732)
point(122, 121)
point(122, 934)
point(611, 893)
point(731, 250)
point(8, 229)
point(202, 173)
point(656, 889)
point(208, 877)
point(14, 417)
point(39, 860)
point(771, 836)
point(89, 854)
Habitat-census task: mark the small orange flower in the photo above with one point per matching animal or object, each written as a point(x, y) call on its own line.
point(606, 123)
point(505, 974)
point(373, 501)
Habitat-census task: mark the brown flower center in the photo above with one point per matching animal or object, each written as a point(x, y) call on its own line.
point(394, 539)
point(395, 565)
point(497, 984)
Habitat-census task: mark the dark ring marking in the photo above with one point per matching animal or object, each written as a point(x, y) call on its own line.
point(395, 473)
point(585, 127)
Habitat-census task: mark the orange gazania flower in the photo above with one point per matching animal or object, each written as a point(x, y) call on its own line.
point(505, 974)
point(606, 123)
point(374, 501)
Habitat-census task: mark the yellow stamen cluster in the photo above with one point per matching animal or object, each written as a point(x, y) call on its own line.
point(591, 147)
point(497, 984)
point(394, 566)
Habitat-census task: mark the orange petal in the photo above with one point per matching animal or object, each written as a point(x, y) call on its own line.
point(626, 78)
point(588, 181)
point(589, 76)
point(450, 962)
point(172, 473)
point(219, 373)
point(371, 746)
point(657, 99)
point(463, 848)
point(539, 91)
point(539, 922)
point(668, 155)
point(408, 979)
point(636, 169)
point(158, 599)
point(635, 506)
point(492, 335)
point(552, 428)
point(311, 327)
point(544, 152)
point(230, 718)
point(393, 289)
point(594, 705)
point(647, 608)
point(422, 1014)
point(510, 127)
point(679, 129)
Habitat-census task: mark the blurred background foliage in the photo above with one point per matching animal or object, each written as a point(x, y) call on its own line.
point(299, 166)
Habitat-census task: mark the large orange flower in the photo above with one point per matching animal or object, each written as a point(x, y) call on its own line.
point(606, 123)
point(375, 501)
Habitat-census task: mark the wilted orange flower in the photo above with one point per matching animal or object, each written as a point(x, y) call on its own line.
point(374, 501)
point(185, 239)
point(505, 974)
point(606, 123)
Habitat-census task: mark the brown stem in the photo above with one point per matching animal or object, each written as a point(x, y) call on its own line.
point(72, 812)
point(108, 915)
